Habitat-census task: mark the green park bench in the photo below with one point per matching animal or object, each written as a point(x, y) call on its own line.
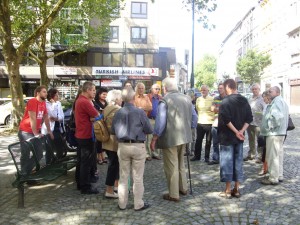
point(47, 166)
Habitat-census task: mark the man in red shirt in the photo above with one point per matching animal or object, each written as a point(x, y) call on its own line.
point(85, 113)
point(30, 126)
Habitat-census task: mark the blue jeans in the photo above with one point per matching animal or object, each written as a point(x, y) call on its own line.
point(216, 144)
point(231, 163)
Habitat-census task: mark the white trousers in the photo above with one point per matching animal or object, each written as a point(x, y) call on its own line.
point(274, 157)
point(131, 158)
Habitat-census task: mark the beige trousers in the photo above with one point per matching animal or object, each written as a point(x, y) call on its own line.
point(253, 133)
point(131, 158)
point(274, 157)
point(175, 169)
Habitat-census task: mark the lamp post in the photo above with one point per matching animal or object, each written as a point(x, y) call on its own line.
point(193, 44)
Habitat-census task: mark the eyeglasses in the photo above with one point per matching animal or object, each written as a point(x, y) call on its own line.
point(158, 89)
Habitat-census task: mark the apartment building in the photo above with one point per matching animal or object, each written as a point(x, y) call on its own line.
point(271, 27)
point(131, 52)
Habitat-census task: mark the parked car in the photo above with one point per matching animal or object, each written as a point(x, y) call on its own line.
point(195, 91)
point(6, 109)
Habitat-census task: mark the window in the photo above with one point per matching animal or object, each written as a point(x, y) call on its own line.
point(139, 60)
point(113, 35)
point(107, 59)
point(139, 35)
point(139, 10)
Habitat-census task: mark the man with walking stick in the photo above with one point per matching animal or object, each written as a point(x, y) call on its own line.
point(172, 131)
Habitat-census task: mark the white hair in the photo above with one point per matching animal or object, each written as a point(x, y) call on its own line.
point(170, 84)
point(113, 96)
point(128, 94)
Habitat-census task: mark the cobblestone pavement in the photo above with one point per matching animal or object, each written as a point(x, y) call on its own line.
point(59, 202)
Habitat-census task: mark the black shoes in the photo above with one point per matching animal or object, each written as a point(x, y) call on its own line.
point(94, 179)
point(212, 163)
point(146, 206)
point(89, 192)
point(195, 159)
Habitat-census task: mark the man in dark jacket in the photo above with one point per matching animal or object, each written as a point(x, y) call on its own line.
point(234, 117)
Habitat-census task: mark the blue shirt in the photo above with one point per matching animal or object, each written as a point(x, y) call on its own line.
point(155, 101)
point(161, 119)
point(131, 123)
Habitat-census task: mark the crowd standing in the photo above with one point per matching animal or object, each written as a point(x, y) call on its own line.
point(145, 126)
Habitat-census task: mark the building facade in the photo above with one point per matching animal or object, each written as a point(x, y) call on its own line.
point(271, 27)
point(131, 52)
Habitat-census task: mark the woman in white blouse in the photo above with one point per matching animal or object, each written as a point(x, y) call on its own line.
point(56, 118)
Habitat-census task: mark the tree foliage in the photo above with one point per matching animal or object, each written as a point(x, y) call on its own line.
point(202, 9)
point(251, 66)
point(206, 71)
point(14, 42)
point(76, 28)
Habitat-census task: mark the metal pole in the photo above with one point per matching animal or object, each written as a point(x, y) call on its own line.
point(189, 169)
point(193, 44)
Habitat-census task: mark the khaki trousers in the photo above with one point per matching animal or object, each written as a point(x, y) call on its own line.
point(131, 158)
point(253, 133)
point(175, 169)
point(274, 157)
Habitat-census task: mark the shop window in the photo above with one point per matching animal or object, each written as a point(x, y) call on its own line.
point(139, 10)
point(107, 60)
point(139, 35)
point(139, 60)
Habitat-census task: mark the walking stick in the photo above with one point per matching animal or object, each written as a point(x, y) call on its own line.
point(189, 169)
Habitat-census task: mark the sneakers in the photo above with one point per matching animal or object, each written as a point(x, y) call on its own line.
point(109, 195)
point(268, 182)
point(195, 159)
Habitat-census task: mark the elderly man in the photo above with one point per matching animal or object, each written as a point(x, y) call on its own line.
point(257, 105)
point(274, 126)
point(205, 121)
point(131, 125)
point(172, 132)
point(214, 130)
point(143, 102)
point(154, 97)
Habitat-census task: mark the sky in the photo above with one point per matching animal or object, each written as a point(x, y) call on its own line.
point(175, 26)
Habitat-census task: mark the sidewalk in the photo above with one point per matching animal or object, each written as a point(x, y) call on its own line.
point(59, 202)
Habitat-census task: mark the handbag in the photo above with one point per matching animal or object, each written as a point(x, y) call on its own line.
point(291, 125)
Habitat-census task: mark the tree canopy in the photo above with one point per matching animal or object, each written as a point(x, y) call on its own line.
point(202, 9)
point(206, 71)
point(251, 66)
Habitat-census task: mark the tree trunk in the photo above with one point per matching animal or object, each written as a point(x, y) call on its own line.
point(12, 64)
point(43, 61)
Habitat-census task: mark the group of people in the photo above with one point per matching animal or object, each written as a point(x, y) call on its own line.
point(142, 126)
point(224, 121)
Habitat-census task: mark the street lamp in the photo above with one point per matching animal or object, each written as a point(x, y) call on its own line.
point(193, 44)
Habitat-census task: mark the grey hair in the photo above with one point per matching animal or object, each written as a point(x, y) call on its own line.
point(87, 86)
point(276, 88)
point(255, 85)
point(128, 94)
point(113, 96)
point(170, 84)
point(139, 85)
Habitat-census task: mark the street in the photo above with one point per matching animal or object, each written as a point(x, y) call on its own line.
point(59, 202)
